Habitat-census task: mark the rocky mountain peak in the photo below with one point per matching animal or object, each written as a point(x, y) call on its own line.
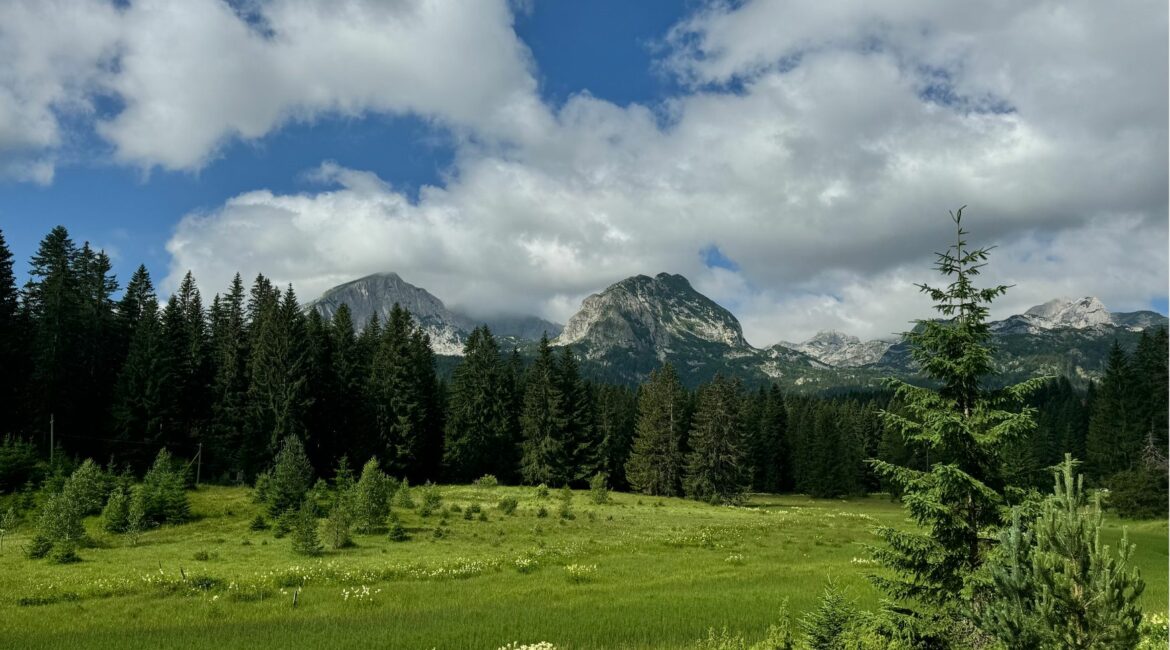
point(651, 314)
point(1076, 314)
point(835, 348)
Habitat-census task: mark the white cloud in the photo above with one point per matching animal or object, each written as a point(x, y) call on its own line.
point(818, 145)
point(192, 75)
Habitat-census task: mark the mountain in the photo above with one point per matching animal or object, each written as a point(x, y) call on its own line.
point(837, 349)
point(1065, 313)
point(376, 295)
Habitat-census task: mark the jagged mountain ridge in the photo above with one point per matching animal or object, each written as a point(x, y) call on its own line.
point(376, 295)
point(634, 325)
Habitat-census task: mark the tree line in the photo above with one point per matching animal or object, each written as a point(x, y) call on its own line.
point(121, 376)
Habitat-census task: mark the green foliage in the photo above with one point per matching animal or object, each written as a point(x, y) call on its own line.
point(479, 422)
point(508, 505)
point(261, 487)
point(116, 514)
point(19, 463)
point(599, 489)
point(258, 523)
point(541, 491)
point(59, 528)
point(963, 425)
point(291, 477)
point(397, 530)
point(164, 491)
point(486, 482)
point(1052, 584)
point(655, 465)
point(90, 486)
point(137, 520)
point(305, 540)
point(827, 626)
point(432, 499)
point(565, 510)
point(371, 498)
point(715, 465)
point(402, 496)
point(341, 519)
point(1139, 493)
point(8, 524)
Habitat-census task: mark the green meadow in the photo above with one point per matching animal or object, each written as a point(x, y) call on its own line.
point(638, 572)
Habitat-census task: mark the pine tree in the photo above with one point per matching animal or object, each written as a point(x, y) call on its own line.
point(144, 396)
point(398, 394)
point(371, 498)
point(229, 384)
point(655, 465)
point(478, 440)
point(13, 350)
point(768, 453)
point(291, 477)
point(715, 465)
point(1053, 585)
point(614, 415)
point(543, 423)
point(277, 392)
point(962, 424)
point(581, 449)
point(1114, 439)
point(305, 540)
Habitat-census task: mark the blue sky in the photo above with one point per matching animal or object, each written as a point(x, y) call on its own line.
point(795, 161)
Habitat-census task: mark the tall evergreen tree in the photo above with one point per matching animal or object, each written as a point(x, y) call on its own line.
point(144, 398)
point(277, 391)
point(398, 395)
point(577, 411)
point(613, 425)
point(478, 439)
point(715, 464)
point(768, 452)
point(229, 384)
point(963, 423)
point(13, 351)
point(1114, 439)
point(655, 465)
point(545, 451)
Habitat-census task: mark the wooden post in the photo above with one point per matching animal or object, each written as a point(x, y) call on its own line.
point(198, 464)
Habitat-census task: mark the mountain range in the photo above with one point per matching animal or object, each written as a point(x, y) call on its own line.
point(637, 324)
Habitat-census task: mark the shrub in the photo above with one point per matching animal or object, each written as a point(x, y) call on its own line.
point(340, 521)
point(468, 514)
point(258, 523)
point(579, 573)
point(541, 512)
point(136, 520)
point(402, 497)
point(283, 524)
point(261, 487)
point(486, 481)
point(201, 556)
point(371, 501)
point(291, 477)
point(565, 511)
point(508, 505)
point(440, 532)
point(542, 491)
point(59, 528)
point(432, 500)
point(116, 514)
point(397, 531)
point(164, 491)
point(7, 525)
point(90, 486)
point(598, 490)
point(304, 533)
point(483, 516)
point(826, 627)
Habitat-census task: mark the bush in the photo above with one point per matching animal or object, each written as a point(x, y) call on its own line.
point(258, 523)
point(565, 511)
point(397, 530)
point(432, 500)
point(371, 501)
point(304, 533)
point(116, 514)
point(541, 512)
point(827, 626)
point(59, 528)
point(468, 514)
point(402, 497)
point(261, 487)
point(542, 491)
point(291, 477)
point(340, 521)
point(164, 492)
point(508, 505)
point(90, 486)
point(598, 490)
point(136, 520)
point(486, 481)
point(283, 524)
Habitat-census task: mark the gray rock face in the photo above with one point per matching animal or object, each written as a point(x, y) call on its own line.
point(658, 314)
point(376, 295)
point(1085, 313)
point(841, 350)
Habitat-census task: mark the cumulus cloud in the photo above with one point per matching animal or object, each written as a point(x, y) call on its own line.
point(190, 76)
point(818, 146)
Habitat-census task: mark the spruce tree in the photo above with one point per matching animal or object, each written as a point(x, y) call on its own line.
point(1053, 585)
point(655, 465)
point(715, 465)
point(613, 426)
point(396, 390)
point(13, 350)
point(581, 449)
point(478, 439)
point(291, 477)
point(1114, 439)
point(277, 391)
point(229, 383)
point(371, 498)
point(543, 423)
point(144, 395)
point(962, 423)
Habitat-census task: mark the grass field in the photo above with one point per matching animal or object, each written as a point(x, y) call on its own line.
point(649, 573)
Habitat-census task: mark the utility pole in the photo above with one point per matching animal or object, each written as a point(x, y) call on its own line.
point(198, 464)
